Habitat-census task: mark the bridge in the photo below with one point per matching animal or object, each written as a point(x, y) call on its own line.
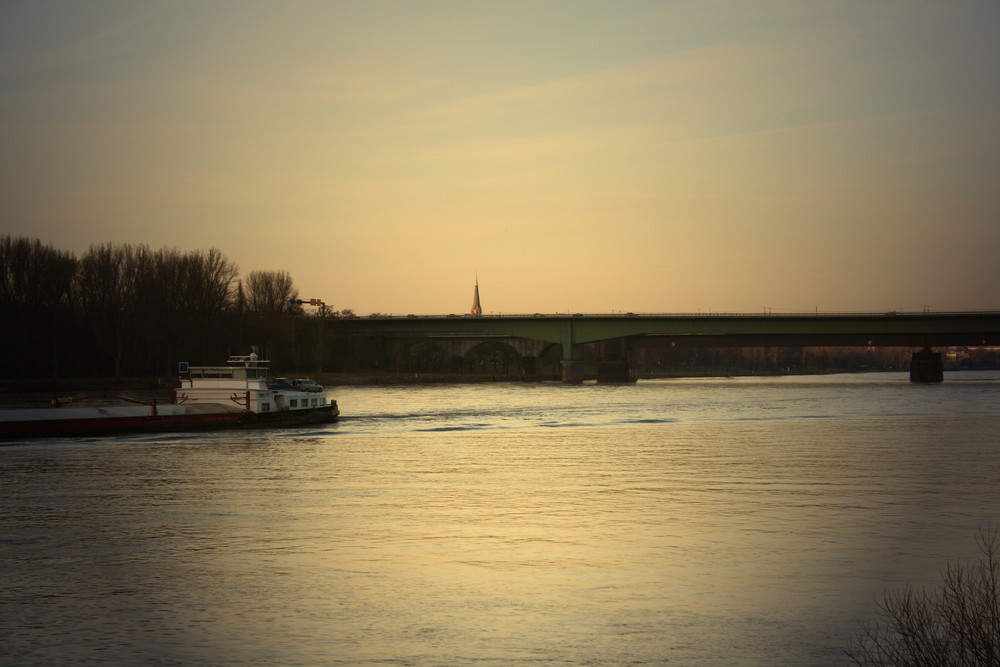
point(918, 330)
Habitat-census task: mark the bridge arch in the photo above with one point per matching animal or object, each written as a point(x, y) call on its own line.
point(495, 357)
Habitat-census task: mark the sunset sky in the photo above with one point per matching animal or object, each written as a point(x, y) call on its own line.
point(576, 156)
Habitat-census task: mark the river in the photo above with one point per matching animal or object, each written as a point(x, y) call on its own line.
point(725, 521)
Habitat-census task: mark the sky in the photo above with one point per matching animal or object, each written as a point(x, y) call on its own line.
point(571, 155)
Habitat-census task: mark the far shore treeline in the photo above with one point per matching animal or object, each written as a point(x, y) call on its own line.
point(127, 311)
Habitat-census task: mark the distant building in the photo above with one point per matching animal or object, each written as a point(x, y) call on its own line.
point(476, 308)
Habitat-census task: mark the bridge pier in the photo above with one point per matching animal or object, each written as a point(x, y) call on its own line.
point(614, 370)
point(613, 363)
point(926, 366)
point(572, 371)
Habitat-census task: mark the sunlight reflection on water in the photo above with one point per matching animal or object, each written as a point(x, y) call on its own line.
point(695, 522)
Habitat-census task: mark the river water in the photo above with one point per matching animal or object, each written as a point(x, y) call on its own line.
point(729, 521)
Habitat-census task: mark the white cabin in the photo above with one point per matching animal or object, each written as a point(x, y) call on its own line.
point(243, 383)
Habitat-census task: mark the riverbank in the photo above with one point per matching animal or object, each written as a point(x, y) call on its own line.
point(64, 386)
point(145, 383)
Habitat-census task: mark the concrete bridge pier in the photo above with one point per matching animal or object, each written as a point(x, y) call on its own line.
point(612, 365)
point(926, 366)
point(572, 371)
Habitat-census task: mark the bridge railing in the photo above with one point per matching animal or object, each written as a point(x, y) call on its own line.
point(769, 314)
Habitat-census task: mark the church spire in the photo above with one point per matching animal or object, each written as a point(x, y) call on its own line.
point(476, 308)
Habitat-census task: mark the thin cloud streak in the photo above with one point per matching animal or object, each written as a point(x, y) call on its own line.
point(86, 49)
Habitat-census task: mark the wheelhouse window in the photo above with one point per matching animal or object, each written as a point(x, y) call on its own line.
point(212, 373)
point(265, 406)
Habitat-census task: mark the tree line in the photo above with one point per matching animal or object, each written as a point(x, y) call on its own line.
point(127, 310)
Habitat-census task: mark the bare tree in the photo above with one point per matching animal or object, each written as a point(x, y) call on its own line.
point(957, 625)
point(268, 298)
point(270, 292)
point(35, 288)
point(184, 297)
point(209, 283)
point(108, 284)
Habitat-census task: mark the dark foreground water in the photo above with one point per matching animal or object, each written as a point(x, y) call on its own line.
point(689, 522)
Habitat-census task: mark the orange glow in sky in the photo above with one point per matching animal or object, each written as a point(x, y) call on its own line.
point(578, 155)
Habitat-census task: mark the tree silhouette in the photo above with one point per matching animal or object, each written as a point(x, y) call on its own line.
point(109, 283)
point(957, 625)
point(268, 302)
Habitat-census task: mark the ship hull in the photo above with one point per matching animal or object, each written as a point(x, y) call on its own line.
point(170, 423)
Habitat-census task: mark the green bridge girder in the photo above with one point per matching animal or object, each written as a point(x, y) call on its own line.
point(713, 330)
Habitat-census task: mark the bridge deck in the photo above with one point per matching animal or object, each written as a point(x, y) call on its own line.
point(711, 330)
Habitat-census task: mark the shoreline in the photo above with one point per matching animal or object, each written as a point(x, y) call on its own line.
point(12, 387)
